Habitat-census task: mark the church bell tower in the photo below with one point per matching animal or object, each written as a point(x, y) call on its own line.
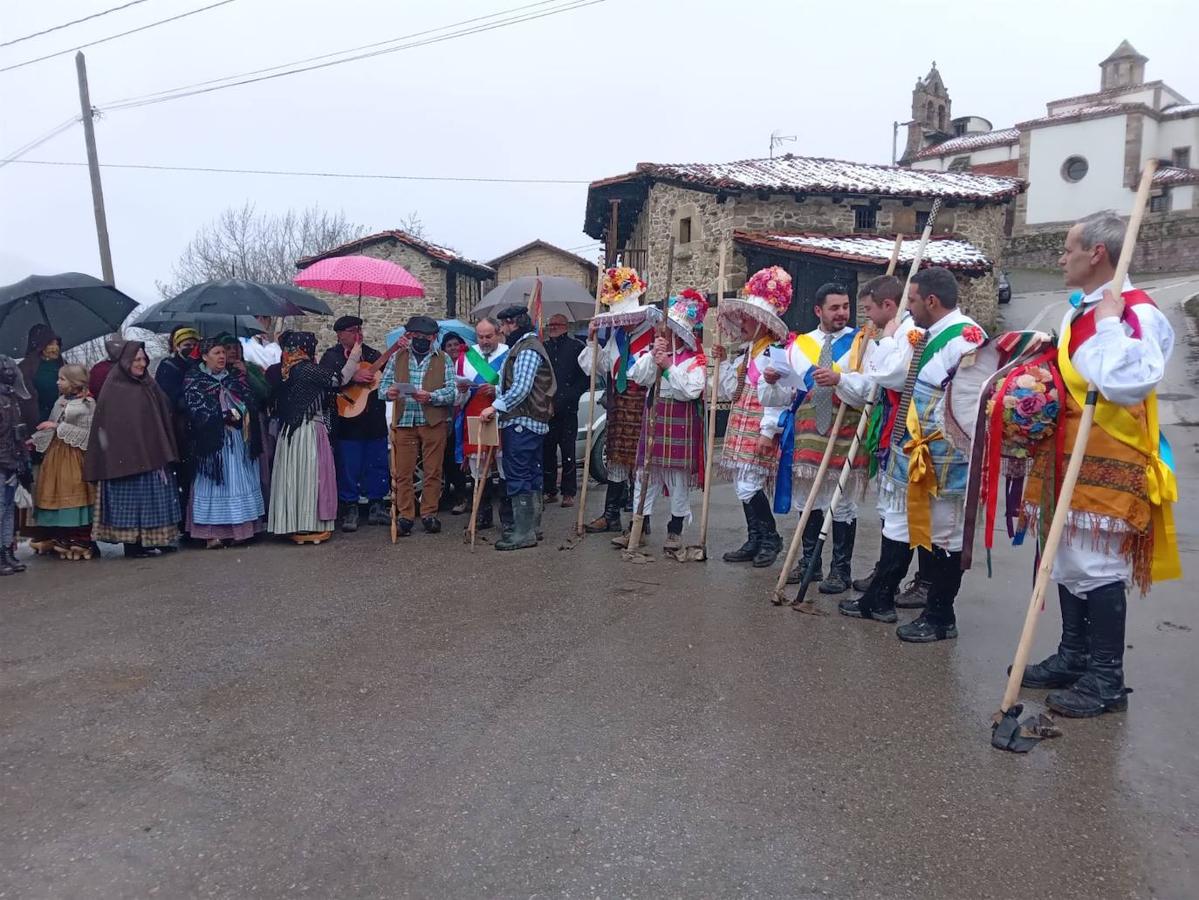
point(931, 113)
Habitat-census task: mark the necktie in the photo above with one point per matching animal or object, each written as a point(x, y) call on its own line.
point(822, 397)
point(905, 400)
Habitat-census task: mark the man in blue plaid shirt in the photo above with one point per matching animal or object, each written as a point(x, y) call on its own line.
point(525, 405)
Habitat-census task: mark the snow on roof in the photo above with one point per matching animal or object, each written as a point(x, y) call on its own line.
point(952, 253)
point(968, 142)
point(1180, 111)
point(803, 174)
point(1086, 112)
point(1172, 175)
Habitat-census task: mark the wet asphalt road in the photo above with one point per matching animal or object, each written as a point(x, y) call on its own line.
point(358, 720)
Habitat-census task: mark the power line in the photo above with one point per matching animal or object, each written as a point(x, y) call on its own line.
point(38, 141)
point(113, 37)
point(306, 174)
point(53, 28)
point(570, 6)
point(298, 62)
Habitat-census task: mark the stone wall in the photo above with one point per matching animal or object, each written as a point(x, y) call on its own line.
point(1168, 242)
point(540, 260)
point(696, 263)
point(381, 316)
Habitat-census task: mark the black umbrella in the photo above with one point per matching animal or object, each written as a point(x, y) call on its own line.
point(230, 297)
point(302, 299)
point(154, 319)
point(77, 307)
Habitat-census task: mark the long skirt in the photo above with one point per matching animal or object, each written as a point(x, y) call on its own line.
point(304, 482)
point(233, 509)
point(139, 509)
point(625, 415)
point(62, 499)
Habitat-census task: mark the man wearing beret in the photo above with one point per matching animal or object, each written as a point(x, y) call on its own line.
point(359, 442)
point(420, 381)
point(525, 404)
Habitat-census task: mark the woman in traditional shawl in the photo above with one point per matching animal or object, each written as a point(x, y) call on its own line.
point(62, 499)
point(261, 388)
point(222, 415)
point(43, 359)
point(129, 453)
point(304, 481)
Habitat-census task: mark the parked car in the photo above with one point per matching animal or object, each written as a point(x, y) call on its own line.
point(1005, 287)
point(599, 438)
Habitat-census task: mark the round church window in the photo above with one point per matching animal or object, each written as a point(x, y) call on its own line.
point(1074, 168)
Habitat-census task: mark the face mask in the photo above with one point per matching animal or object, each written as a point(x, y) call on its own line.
point(51, 352)
point(421, 344)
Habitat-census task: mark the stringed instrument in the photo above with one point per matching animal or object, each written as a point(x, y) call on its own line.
point(352, 399)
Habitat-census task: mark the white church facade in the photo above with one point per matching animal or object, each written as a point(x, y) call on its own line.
point(1085, 154)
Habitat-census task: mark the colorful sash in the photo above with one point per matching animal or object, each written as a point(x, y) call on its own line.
point(1124, 427)
point(810, 348)
point(628, 350)
point(480, 372)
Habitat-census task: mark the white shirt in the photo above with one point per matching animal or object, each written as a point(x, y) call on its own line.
point(683, 381)
point(854, 387)
point(260, 353)
point(889, 364)
point(778, 397)
point(609, 353)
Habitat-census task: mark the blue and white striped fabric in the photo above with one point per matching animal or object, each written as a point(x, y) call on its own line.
point(239, 498)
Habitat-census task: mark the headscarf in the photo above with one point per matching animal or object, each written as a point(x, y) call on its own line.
point(132, 429)
point(41, 375)
point(207, 398)
point(40, 337)
point(12, 382)
point(306, 388)
point(297, 346)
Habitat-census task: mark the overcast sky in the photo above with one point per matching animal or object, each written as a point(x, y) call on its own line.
point(581, 95)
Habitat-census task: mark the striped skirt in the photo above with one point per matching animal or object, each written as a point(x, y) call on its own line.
point(231, 510)
point(303, 482)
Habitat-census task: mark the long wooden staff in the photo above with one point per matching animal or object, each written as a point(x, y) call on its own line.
point(778, 597)
point(483, 466)
point(700, 552)
point(395, 480)
point(651, 416)
point(1062, 511)
point(798, 603)
point(580, 531)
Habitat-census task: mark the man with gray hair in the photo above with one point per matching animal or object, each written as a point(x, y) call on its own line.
point(1120, 527)
point(478, 374)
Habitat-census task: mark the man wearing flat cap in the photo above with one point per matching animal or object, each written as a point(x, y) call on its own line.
point(419, 380)
point(359, 442)
point(524, 404)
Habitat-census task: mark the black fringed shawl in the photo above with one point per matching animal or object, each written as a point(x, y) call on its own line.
point(206, 398)
point(305, 393)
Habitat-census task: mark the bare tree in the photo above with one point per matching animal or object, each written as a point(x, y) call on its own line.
point(243, 243)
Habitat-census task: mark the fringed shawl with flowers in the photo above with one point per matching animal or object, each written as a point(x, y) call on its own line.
point(211, 401)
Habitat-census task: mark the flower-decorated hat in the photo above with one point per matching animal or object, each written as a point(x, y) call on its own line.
point(621, 290)
point(686, 314)
point(765, 299)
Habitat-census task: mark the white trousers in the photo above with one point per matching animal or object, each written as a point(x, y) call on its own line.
point(747, 483)
point(1082, 569)
point(946, 518)
point(847, 507)
point(675, 481)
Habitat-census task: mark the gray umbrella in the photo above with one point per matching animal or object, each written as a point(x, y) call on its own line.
point(302, 299)
point(559, 296)
point(77, 308)
point(160, 321)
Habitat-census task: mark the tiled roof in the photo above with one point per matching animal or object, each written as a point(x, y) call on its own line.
point(803, 174)
point(1173, 175)
point(1086, 112)
point(952, 253)
point(437, 252)
point(1008, 168)
point(544, 245)
point(1181, 111)
point(969, 142)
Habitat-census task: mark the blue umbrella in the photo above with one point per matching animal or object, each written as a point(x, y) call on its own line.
point(444, 327)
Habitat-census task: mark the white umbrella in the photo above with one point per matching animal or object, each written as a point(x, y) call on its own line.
point(559, 296)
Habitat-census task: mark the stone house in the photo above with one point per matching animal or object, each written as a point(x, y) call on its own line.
point(543, 258)
point(1086, 153)
point(453, 285)
point(822, 220)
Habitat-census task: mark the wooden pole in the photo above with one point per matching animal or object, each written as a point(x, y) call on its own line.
point(93, 168)
point(710, 437)
point(483, 467)
point(613, 225)
point(581, 516)
point(1061, 511)
point(393, 449)
point(778, 597)
point(798, 603)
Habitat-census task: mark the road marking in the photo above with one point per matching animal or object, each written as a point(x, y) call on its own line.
point(1036, 320)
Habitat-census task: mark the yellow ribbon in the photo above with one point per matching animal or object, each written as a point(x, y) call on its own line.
point(922, 482)
point(1160, 481)
point(811, 348)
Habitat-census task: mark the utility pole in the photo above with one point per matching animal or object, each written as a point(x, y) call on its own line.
point(93, 168)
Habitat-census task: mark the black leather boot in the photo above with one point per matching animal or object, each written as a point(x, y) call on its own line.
point(610, 520)
point(6, 562)
point(747, 551)
point(349, 521)
point(839, 580)
point(771, 543)
point(1101, 689)
point(1066, 666)
point(878, 602)
point(938, 621)
point(915, 593)
point(811, 533)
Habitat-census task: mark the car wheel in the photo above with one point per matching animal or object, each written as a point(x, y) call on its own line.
point(1005, 298)
point(599, 456)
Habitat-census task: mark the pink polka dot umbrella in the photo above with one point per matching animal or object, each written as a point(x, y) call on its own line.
point(361, 276)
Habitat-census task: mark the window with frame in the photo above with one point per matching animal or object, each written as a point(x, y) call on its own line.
point(959, 164)
point(1159, 203)
point(921, 220)
point(1181, 157)
point(865, 218)
point(685, 230)
point(1075, 168)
